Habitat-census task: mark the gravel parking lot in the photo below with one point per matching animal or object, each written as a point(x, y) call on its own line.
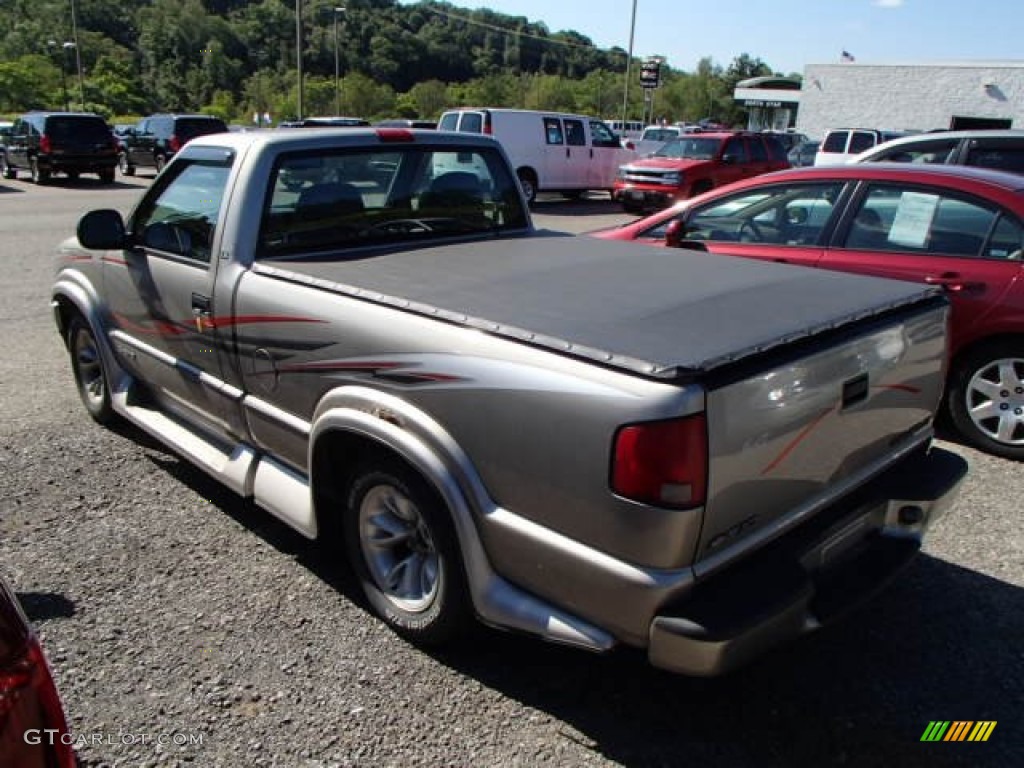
point(187, 628)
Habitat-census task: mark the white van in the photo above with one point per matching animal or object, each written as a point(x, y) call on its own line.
point(549, 150)
point(631, 129)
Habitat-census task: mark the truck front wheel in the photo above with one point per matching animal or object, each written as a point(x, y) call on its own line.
point(986, 399)
point(403, 548)
point(91, 376)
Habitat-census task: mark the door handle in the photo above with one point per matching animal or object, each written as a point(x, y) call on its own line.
point(953, 282)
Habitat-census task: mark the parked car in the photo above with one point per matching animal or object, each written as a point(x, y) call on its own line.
point(5, 136)
point(631, 129)
point(155, 139)
point(549, 150)
point(961, 228)
point(72, 143)
point(1001, 149)
point(803, 153)
point(33, 730)
point(692, 164)
point(842, 144)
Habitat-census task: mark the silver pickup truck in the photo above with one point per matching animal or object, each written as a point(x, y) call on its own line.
point(591, 442)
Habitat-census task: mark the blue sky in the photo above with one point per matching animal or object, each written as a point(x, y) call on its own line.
point(788, 34)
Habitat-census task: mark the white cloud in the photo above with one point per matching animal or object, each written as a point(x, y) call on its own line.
point(887, 3)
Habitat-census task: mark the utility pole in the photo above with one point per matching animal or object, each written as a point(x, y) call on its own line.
point(298, 52)
point(78, 56)
point(629, 62)
point(338, 10)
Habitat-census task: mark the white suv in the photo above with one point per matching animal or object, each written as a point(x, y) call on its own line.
point(842, 144)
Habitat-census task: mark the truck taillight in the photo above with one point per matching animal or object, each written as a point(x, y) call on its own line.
point(174, 142)
point(44, 144)
point(663, 463)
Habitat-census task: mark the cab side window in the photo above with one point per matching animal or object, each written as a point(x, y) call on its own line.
point(181, 218)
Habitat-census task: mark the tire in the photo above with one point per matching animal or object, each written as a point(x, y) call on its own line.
point(986, 398)
point(160, 161)
point(402, 546)
point(123, 165)
point(8, 171)
point(528, 181)
point(38, 175)
point(91, 376)
point(106, 176)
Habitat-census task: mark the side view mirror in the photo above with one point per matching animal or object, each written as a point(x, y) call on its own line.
point(675, 237)
point(629, 145)
point(102, 230)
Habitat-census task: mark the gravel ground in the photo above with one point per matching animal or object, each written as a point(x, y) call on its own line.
point(173, 612)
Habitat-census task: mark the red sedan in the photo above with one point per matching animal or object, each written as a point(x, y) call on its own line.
point(960, 228)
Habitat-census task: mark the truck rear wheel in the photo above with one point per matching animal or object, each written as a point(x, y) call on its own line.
point(986, 399)
point(91, 375)
point(403, 547)
point(39, 176)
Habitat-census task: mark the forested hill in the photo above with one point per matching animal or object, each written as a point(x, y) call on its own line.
point(233, 57)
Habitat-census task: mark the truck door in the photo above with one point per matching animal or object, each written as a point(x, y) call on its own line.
point(579, 156)
point(160, 291)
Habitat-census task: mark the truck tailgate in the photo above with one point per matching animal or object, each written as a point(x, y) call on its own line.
point(788, 439)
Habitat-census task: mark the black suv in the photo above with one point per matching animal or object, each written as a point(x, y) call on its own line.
point(155, 139)
point(44, 143)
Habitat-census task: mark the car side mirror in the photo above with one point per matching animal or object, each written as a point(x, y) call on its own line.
point(102, 230)
point(629, 145)
point(675, 237)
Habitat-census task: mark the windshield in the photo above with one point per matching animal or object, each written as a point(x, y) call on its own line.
point(189, 128)
point(694, 149)
point(338, 200)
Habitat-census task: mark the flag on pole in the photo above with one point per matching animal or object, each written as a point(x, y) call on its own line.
point(847, 56)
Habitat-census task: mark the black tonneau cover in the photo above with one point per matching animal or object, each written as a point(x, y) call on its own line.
point(658, 311)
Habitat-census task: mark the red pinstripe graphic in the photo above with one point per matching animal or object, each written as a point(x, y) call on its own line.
point(804, 433)
point(159, 327)
point(114, 260)
point(900, 388)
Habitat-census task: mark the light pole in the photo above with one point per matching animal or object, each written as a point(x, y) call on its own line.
point(298, 52)
point(629, 61)
point(63, 49)
point(338, 10)
point(78, 56)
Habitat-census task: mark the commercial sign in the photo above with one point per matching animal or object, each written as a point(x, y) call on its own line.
point(650, 74)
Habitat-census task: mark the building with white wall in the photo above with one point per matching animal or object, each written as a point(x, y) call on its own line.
point(977, 94)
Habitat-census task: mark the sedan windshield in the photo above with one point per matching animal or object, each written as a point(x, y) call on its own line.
point(694, 149)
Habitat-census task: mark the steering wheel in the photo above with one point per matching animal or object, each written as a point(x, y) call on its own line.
point(750, 232)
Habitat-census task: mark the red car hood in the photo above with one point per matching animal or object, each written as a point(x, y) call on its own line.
point(667, 163)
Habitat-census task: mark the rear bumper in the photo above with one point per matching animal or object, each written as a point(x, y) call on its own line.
point(810, 577)
point(79, 163)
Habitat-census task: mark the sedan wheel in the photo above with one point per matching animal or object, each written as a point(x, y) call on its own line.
point(402, 545)
point(986, 400)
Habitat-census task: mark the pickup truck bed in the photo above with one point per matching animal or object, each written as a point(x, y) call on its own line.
point(660, 313)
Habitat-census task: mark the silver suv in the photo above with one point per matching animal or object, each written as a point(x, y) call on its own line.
point(1000, 149)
